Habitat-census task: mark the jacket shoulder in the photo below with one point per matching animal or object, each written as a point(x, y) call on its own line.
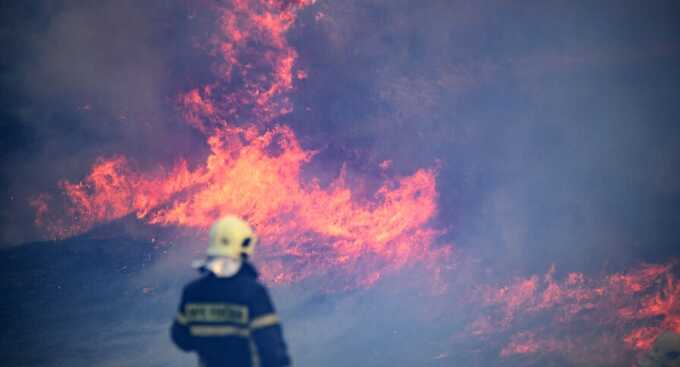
point(251, 287)
point(248, 280)
point(195, 284)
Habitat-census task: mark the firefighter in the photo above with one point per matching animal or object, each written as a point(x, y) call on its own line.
point(226, 316)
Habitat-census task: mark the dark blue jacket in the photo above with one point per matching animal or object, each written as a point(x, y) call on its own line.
point(230, 322)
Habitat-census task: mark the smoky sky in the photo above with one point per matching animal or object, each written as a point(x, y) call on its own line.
point(553, 123)
point(84, 80)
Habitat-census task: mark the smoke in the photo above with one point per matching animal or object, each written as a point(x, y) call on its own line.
point(553, 124)
point(83, 80)
point(554, 131)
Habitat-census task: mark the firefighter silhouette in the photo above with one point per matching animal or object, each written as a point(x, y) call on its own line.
point(226, 316)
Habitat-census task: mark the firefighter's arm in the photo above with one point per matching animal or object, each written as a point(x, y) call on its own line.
point(179, 331)
point(266, 331)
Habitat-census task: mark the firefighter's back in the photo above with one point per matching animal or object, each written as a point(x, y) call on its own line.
point(217, 310)
point(226, 316)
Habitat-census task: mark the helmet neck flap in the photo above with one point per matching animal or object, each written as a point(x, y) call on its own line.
point(220, 266)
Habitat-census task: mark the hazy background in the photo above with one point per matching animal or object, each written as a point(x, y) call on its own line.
point(554, 124)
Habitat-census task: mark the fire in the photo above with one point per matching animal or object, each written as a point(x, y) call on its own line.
point(636, 306)
point(258, 175)
point(528, 342)
point(255, 66)
point(255, 169)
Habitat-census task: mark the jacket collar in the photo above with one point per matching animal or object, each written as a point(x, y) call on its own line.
point(247, 269)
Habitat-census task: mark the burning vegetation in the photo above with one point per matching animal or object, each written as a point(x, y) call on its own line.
point(255, 169)
point(618, 313)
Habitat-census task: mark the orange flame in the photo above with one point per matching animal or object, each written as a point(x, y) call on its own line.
point(255, 66)
point(255, 171)
point(639, 305)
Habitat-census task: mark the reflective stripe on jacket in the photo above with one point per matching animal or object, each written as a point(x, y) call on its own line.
point(230, 322)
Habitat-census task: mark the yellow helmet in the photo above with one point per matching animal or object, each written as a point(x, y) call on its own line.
point(232, 237)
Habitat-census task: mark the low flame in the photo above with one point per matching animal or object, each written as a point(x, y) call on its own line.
point(310, 223)
point(636, 306)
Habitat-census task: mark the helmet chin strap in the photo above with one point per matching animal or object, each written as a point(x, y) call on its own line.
point(222, 266)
